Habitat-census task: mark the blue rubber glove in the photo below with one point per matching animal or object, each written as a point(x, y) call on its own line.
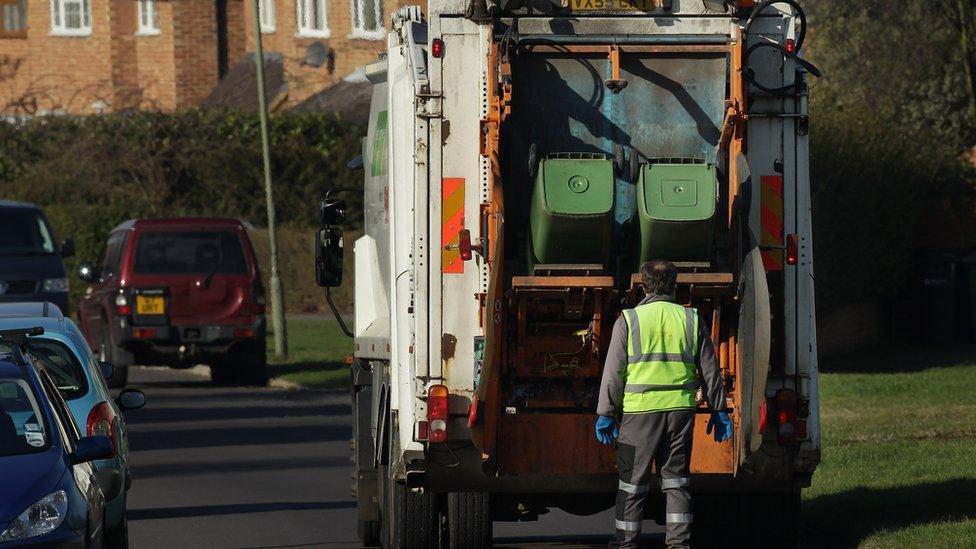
point(606, 430)
point(721, 423)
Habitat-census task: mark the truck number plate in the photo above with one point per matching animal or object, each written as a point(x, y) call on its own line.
point(613, 5)
point(149, 305)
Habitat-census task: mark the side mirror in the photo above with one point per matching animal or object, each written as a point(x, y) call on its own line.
point(67, 248)
point(131, 399)
point(328, 257)
point(92, 448)
point(332, 211)
point(86, 271)
point(107, 369)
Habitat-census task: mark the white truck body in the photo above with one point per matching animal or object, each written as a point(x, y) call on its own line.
point(420, 318)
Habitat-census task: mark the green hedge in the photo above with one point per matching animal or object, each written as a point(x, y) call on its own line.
point(91, 173)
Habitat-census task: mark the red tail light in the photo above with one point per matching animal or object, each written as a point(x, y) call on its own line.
point(122, 305)
point(423, 432)
point(243, 332)
point(437, 413)
point(143, 333)
point(790, 46)
point(464, 244)
point(745, 3)
point(801, 429)
point(437, 48)
point(101, 423)
point(792, 248)
point(786, 416)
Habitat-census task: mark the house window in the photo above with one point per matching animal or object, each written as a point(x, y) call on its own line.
point(313, 18)
point(367, 19)
point(71, 17)
point(148, 17)
point(266, 11)
point(13, 18)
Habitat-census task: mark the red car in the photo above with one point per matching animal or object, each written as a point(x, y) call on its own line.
point(177, 292)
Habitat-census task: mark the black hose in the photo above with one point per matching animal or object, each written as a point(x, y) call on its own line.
point(797, 10)
point(335, 311)
point(801, 38)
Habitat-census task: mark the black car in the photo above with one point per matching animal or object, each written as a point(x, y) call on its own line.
point(31, 258)
point(51, 496)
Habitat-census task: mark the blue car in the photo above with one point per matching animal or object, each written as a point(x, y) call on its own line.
point(62, 350)
point(51, 496)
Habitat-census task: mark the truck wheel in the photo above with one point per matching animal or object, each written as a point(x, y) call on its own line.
point(365, 484)
point(469, 520)
point(252, 359)
point(369, 533)
point(414, 518)
point(119, 358)
point(409, 520)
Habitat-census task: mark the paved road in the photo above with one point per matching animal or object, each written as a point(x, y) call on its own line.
point(262, 468)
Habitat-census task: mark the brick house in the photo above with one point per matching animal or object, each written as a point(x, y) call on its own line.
point(85, 56)
point(349, 32)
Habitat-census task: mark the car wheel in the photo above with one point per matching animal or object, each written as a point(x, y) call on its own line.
point(224, 373)
point(252, 359)
point(120, 359)
point(119, 537)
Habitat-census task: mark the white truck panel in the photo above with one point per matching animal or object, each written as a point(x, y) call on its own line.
point(409, 349)
point(464, 103)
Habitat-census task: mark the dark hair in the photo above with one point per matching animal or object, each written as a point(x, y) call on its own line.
point(659, 277)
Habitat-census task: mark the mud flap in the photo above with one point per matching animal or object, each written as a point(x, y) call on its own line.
point(752, 350)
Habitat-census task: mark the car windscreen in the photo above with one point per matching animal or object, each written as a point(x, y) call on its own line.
point(189, 252)
point(59, 362)
point(23, 231)
point(21, 423)
point(62, 365)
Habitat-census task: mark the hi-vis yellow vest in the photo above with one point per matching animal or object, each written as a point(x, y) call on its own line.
point(661, 346)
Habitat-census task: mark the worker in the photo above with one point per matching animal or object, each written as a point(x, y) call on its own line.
point(650, 384)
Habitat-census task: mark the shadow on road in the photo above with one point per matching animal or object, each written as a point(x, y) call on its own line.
point(236, 436)
point(169, 415)
point(233, 509)
point(847, 518)
point(197, 468)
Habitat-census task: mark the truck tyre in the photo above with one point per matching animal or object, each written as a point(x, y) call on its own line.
point(369, 532)
point(469, 522)
point(119, 358)
point(411, 520)
point(365, 483)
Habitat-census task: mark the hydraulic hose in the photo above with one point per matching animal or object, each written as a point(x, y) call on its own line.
point(338, 316)
point(801, 38)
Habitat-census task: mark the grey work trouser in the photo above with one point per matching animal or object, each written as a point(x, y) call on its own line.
point(665, 439)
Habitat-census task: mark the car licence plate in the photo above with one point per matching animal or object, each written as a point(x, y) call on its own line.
point(150, 305)
point(613, 5)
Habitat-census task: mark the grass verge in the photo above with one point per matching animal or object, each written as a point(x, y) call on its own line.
point(899, 461)
point(317, 354)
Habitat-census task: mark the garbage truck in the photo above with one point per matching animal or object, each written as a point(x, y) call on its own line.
point(523, 158)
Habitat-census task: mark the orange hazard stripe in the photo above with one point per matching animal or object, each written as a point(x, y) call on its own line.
point(452, 221)
point(771, 219)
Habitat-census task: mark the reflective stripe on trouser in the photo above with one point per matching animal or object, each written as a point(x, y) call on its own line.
point(663, 438)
